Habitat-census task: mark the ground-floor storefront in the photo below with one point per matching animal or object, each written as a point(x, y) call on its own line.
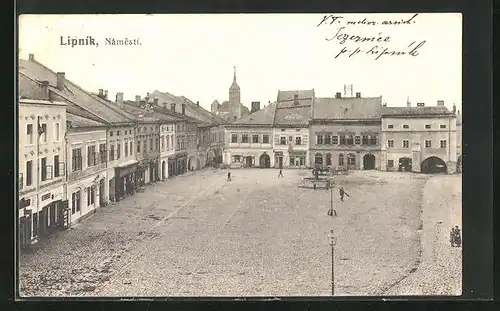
point(125, 179)
point(86, 195)
point(417, 162)
point(41, 214)
point(291, 159)
point(177, 164)
point(258, 158)
point(163, 167)
point(350, 159)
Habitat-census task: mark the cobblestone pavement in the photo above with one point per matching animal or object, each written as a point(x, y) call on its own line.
point(258, 235)
point(440, 272)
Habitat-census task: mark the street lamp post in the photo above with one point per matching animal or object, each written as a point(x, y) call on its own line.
point(333, 242)
point(330, 184)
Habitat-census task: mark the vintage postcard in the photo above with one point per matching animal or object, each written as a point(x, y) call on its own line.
point(240, 155)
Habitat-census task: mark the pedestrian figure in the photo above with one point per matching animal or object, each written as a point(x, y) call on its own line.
point(280, 173)
point(228, 176)
point(456, 238)
point(342, 193)
point(452, 237)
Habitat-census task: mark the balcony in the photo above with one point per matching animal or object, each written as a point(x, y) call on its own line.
point(86, 172)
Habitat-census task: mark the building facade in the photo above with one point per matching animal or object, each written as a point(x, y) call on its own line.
point(41, 163)
point(87, 166)
point(346, 132)
point(293, 111)
point(249, 141)
point(419, 139)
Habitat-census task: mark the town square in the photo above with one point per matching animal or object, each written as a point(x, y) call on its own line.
point(201, 172)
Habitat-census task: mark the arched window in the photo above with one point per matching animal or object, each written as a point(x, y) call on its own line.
point(328, 159)
point(341, 159)
point(318, 159)
point(351, 159)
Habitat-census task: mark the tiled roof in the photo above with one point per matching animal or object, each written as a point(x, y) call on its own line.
point(207, 116)
point(415, 111)
point(347, 108)
point(41, 102)
point(289, 112)
point(292, 116)
point(78, 121)
point(191, 108)
point(139, 114)
point(29, 88)
point(264, 116)
point(289, 95)
point(72, 93)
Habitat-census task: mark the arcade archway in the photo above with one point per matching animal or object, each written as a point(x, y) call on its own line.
point(433, 165)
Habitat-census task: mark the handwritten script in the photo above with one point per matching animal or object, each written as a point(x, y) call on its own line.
point(376, 44)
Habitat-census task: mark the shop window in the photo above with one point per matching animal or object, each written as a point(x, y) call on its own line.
point(351, 159)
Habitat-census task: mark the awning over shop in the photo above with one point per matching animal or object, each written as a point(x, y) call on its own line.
point(126, 168)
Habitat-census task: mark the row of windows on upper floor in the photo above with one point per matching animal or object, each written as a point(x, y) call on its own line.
point(349, 140)
point(406, 126)
point(47, 171)
point(42, 131)
point(244, 138)
point(406, 143)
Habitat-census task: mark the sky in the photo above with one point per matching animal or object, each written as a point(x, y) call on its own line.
point(194, 55)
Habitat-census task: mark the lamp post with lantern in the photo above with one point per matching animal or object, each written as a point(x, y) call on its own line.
point(333, 242)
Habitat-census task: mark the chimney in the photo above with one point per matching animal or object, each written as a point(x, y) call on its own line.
point(420, 104)
point(101, 93)
point(137, 99)
point(106, 94)
point(197, 104)
point(32, 57)
point(338, 95)
point(358, 95)
point(172, 107)
point(455, 109)
point(45, 88)
point(408, 104)
point(255, 107)
point(384, 104)
point(119, 98)
point(61, 80)
point(440, 103)
point(156, 101)
point(296, 99)
point(458, 112)
point(183, 108)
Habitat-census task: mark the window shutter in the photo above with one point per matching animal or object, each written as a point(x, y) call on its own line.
point(48, 171)
point(61, 169)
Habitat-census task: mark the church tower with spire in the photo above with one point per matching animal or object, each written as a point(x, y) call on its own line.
point(234, 100)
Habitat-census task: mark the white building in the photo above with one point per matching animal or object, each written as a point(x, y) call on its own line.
point(249, 141)
point(87, 163)
point(41, 160)
point(291, 128)
point(419, 139)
